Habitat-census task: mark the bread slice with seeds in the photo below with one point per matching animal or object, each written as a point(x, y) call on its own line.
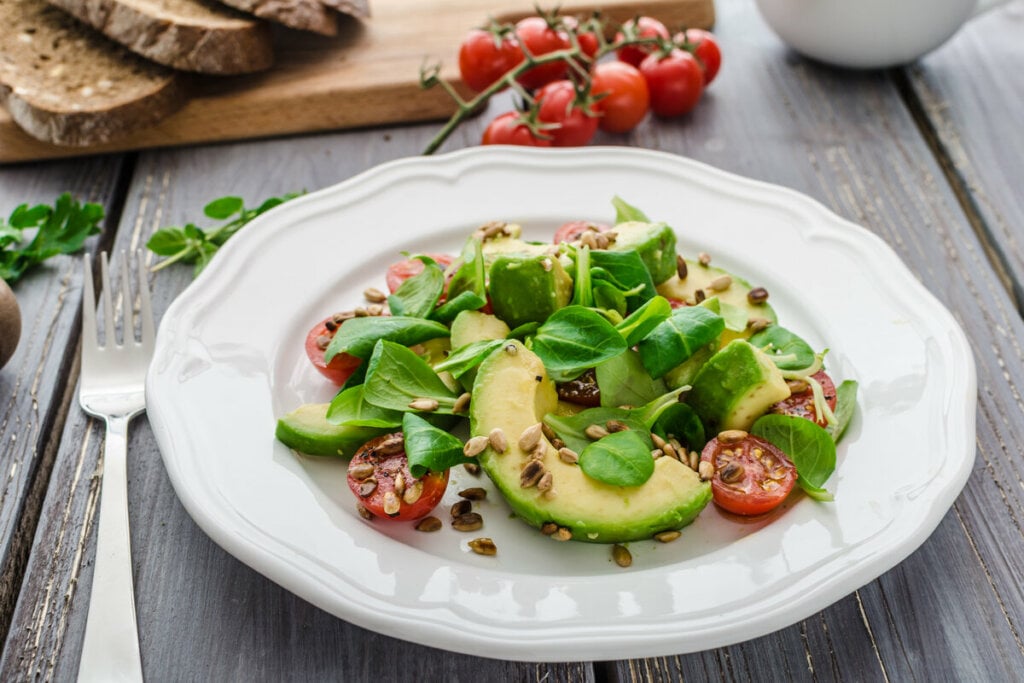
point(192, 35)
point(305, 15)
point(65, 84)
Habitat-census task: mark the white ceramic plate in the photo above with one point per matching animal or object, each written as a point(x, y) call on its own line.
point(230, 360)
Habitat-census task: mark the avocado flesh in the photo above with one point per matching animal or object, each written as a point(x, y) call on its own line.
point(528, 289)
point(700, 277)
point(654, 242)
point(513, 392)
point(307, 430)
point(735, 387)
point(474, 326)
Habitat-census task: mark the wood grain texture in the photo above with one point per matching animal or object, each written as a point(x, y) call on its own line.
point(368, 75)
point(973, 100)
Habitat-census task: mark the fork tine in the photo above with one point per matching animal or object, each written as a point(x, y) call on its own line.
point(145, 305)
point(89, 339)
point(108, 306)
point(127, 302)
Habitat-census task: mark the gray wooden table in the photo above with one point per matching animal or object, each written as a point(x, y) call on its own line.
point(929, 157)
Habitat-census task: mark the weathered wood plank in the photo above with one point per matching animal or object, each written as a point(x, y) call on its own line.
point(33, 400)
point(202, 614)
point(972, 98)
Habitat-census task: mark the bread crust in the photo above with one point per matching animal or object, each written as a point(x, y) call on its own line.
point(207, 38)
point(305, 15)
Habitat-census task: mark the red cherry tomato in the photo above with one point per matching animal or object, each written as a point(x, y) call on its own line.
point(587, 39)
point(375, 470)
point(646, 27)
point(341, 366)
point(707, 51)
point(751, 475)
point(537, 37)
point(626, 96)
point(484, 58)
point(577, 122)
point(403, 270)
point(571, 231)
point(801, 403)
point(676, 82)
point(509, 129)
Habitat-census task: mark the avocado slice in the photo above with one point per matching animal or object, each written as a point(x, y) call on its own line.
point(472, 326)
point(654, 242)
point(700, 277)
point(735, 387)
point(528, 288)
point(513, 392)
point(307, 430)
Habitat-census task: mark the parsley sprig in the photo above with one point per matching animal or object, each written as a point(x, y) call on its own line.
point(192, 244)
point(59, 229)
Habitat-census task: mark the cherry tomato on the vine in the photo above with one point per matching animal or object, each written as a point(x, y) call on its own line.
point(559, 104)
point(751, 476)
point(537, 37)
point(801, 402)
point(342, 365)
point(587, 39)
point(646, 27)
point(484, 57)
point(401, 271)
point(676, 82)
point(626, 96)
point(379, 476)
point(510, 129)
point(707, 51)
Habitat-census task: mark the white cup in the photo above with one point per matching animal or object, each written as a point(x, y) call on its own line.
point(868, 33)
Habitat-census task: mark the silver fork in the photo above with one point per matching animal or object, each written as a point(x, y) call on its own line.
point(112, 388)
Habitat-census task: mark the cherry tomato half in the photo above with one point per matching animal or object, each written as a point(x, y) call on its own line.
point(537, 37)
point(751, 475)
point(626, 96)
point(676, 82)
point(646, 27)
point(403, 270)
point(484, 58)
point(509, 129)
point(571, 231)
point(707, 51)
point(380, 470)
point(577, 122)
point(341, 366)
point(801, 402)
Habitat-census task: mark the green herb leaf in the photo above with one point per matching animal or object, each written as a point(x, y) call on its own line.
point(679, 337)
point(625, 213)
point(417, 296)
point(620, 459)
point(223, 207)
point(644, 319)
point(582, 287)
point(429, 448)
point(627, 272)
point(789, 351)
point(396, 376)
point(846, 405)
point(681, 421)
point(60, 229)
point(809, 446)
point(735, 317)
point(465, 358)
point(571, 428)
point(464, 301)
point(358, 336)
point(574, 339)
point(471, 274)
point(624, 381)
point(349, 407)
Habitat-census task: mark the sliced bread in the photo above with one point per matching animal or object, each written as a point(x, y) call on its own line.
point(64, 83)
point(305, 15)
point(192, 35)
point(359, 9)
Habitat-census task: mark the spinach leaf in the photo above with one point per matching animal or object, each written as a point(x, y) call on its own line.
point(789, 351)
point(429, 448)
point(417, 296)
point(627, 272)
point(681, 421)
point(644, 319)
point(358, 336)
point(582, 286)
point(610, 300)
point(574, 339)
point(624, 381)
point(471, 274)
point(846, 405)
point(735, 317)
point(809, 446)
point(619, 459)
point(396, 376)
point(677, 338)
point(465, 301)
point(465, 358)
point(571, 428)
point(349, 407)
point(625, 212)
point(523, 331)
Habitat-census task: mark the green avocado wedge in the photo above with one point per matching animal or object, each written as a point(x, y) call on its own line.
point(512, 393)
point(307, 430)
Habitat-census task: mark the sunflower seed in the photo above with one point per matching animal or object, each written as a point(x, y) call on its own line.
point(563, 534)
point(424, 404)
point(428, 524)
point(706, 470)
point(461, 507)
point(615, 426)
point(511, 349)
point(531, 474)
point(475, 446)
point(461, 404)
point(622, 557)
point(399, 484)
point(568, 455)
point(391, 504)
point(483, 546)
point(392, 444)
point(548, 528)
point(361, 471)
point(413, 493)
point(471, 468)
point(471, 521)
point(667, 536)
point(367, 487)
point(545, 483)
point(474, 493)
point(657, 453)
point(699, 296)
point(704, 258)
point(595, 432)
point(498, 441)
point(374, 295)
point(657, 440)
point(731, 436)
point(758, 324)
point(758, 295)
point(732, 473)
point(364, 513)
point(720, 283)
point(681, 270)
point(374, 310)
point(530, 437)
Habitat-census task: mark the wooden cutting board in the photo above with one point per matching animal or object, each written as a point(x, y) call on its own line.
point(367, 75)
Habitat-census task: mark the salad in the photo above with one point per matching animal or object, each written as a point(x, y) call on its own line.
point(613, 387)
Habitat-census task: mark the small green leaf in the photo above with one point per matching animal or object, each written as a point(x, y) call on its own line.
point(679, 337)
point(846, 405)
point(789, 351)
point(624, 381)
point(620, 459)
point(167, 241)
point(223, 207)
point(396, 376)
point(571, 428)
point(810, 447)
point(464, 301)
point(429, 448)
point(417, 296)
point(465, 358)
point(574, 339)
point(350, 408)
point(681, 421)
point(644, 319)
point(358, 336)
point(625, 213)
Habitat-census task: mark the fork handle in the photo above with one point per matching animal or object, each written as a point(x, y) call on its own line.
point(111, 648)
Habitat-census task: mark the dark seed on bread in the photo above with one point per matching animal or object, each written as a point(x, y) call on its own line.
point(193, 35)
point(65, 84)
